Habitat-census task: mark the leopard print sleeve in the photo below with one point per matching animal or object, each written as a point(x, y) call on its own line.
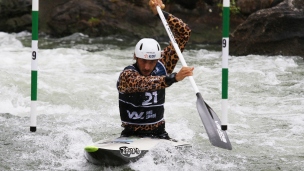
point(130, 81)
point(181, 33)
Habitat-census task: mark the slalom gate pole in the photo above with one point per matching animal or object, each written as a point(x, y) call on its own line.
point(34, 70)
point(225, 56)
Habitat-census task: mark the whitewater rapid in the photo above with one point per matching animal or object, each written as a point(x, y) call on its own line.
point(78, 105)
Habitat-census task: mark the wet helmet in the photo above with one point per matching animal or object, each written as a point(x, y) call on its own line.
point(148, 49)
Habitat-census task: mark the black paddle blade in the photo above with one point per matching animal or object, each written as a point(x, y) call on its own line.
point(212, 124)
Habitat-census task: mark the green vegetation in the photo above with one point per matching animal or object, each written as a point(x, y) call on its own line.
point(94, 21)
point(233, 8)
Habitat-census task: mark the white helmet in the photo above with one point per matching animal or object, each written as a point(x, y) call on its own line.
point(147, 49)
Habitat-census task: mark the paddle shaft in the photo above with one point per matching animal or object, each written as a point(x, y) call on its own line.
point(209, 118)
point(175, 45)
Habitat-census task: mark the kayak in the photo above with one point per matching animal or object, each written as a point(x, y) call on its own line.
point(123, 150)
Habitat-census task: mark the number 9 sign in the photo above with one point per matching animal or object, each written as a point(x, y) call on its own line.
point(224, 43)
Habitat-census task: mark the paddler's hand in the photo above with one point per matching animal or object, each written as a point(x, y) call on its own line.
point(154, 3)
point(184, 72)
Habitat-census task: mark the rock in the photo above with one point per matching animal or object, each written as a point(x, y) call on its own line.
point(248, 7)
point(189, 4)
point(101, 18)
point(274, 31)
point(15, 15)
point(19, 24)
point(74, 16)
point(269, 30)
point(131, 18)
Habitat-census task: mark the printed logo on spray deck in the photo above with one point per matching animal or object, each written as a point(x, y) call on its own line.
point(129, 152)
point(220, 132)
point(135, 115)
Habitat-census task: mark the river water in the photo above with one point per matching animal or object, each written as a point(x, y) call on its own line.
point(78, 105)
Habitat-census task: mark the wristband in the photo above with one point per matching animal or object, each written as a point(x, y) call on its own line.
point(170, 79)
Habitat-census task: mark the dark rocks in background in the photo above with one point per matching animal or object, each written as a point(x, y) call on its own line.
point(274, 31)
point(189, 4)
point(15, 15)
point(248, 7)
point(131, 18)
point(102, 18)
point(268, 27)
point(74, 16)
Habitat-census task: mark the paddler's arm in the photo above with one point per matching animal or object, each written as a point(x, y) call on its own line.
point(180, 30)
point(181, 33)
point(130, 81)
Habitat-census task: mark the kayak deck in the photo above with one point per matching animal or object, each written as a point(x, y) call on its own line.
point(124, 150)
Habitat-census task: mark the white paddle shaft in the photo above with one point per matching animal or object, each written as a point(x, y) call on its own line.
point(175, 45)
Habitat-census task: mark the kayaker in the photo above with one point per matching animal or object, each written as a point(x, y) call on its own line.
point(142, 85)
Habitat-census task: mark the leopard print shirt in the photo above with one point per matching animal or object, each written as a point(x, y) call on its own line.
point(131, 81)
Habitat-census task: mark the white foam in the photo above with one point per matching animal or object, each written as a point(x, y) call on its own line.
point(77, 97)
point(9, 42)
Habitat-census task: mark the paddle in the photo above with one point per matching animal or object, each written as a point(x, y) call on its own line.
point(212, 123)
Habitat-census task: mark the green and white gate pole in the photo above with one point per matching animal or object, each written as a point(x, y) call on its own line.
point(34, 72)
point(225, 55)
